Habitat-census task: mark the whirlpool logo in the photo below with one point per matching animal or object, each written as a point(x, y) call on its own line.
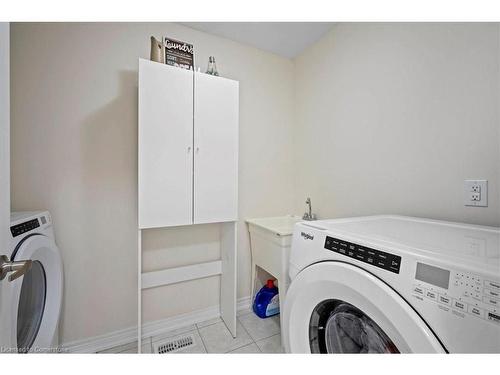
point(307, 236)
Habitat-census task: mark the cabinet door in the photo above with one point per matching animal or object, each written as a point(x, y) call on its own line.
point(216, 149)
point(165, 145)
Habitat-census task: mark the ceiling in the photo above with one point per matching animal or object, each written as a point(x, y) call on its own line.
point(287, 39)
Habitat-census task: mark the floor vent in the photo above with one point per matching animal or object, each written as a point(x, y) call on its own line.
point(173, 346)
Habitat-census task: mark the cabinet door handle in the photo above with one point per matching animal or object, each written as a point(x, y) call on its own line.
point(197, 149)
point(189, 149)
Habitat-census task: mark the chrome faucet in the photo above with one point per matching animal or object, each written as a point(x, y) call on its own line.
point(309, 215)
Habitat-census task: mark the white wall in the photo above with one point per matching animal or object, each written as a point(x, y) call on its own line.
point(74, 152)
point(391, 118)
point(4, 138)
point(5, 310)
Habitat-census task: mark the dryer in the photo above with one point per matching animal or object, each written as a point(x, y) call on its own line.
point(37, 296)
point(393, 284)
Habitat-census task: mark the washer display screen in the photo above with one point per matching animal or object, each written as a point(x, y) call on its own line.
point(433, 275)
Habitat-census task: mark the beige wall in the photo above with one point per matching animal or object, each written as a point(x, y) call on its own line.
point(74, 152)
point(391, 118)
point(386, 118)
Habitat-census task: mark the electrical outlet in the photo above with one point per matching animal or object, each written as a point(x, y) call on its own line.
point(476, 193)
point(475, 197)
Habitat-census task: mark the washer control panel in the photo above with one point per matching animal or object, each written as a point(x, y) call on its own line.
point(21, 228)
point(377, 258)
point(465, 295)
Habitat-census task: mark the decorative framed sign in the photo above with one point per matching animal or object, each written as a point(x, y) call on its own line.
point(177, 53)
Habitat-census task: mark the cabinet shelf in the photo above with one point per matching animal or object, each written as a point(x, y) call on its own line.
point(179, 274)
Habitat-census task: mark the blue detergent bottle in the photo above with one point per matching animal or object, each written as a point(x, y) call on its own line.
point(267, 301)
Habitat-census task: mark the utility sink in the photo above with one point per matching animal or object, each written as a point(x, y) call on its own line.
point(270, 242)
point(279, 226)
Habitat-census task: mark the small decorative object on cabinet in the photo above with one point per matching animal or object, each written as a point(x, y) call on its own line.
point(157, 50)
point(212, 67)
point(179, 54)
point(188, 169)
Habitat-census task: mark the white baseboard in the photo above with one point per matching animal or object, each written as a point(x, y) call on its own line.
point(101, 342)
point(128, 335)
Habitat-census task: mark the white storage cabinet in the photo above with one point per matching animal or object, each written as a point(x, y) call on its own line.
point(188, 147)
point(188, 167)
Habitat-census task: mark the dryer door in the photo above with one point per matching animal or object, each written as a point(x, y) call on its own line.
point(38, 295)
point(334, 307)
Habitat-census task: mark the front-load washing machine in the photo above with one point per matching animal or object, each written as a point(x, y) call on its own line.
point(36, 296)
point(392, 284)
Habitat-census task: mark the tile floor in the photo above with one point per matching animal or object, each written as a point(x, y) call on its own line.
point(255, 335)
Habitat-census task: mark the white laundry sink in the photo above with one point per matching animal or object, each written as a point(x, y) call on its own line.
point(280, 228)
point(270, 242)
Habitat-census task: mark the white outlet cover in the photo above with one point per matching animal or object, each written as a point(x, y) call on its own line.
point(469, 193)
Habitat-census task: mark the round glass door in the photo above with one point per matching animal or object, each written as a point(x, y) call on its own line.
point(31, 306)
point(339, 327)
point(334, 307)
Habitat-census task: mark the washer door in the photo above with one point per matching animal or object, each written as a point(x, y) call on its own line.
point(334, 307)
point(37, 295)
